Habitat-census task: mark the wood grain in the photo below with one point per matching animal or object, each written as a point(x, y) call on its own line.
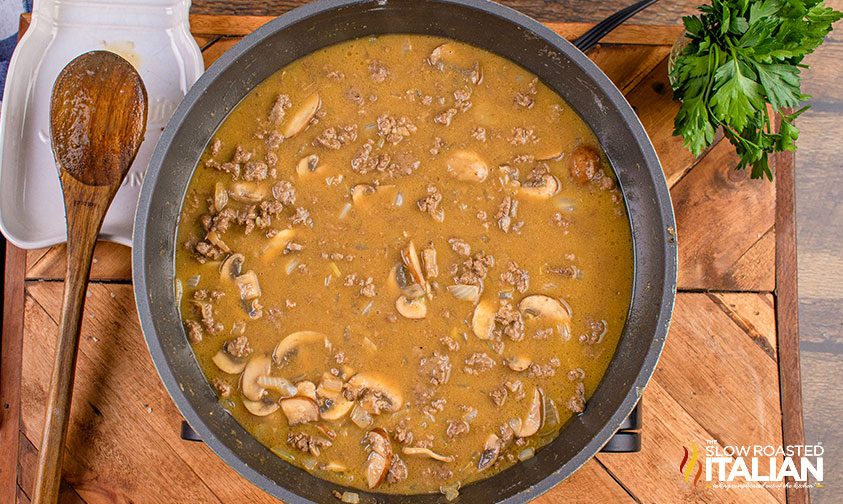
point(11, 349)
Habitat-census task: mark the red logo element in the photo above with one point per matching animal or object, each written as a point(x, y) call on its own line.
point(690, 461)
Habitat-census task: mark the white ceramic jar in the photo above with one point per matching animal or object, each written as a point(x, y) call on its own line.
point(153, 35)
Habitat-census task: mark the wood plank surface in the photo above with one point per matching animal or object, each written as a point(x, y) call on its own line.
point(124, 427)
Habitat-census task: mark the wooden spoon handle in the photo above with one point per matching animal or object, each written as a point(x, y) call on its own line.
point(84, 219)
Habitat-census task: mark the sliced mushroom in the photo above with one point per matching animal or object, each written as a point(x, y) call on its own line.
point(410, 256)
point(299, 120)
point(308, 165)
point(336, 408)
point(306, 389)
point(539, 305)
point(543, 188)
point(550, 153)
point(299, 410)
point(368, 196)
point(228, 363)
point(535, 416)
point(259, 365)
point(260, 408)
point(483, 321)
point(248, 285)
point(518, 363)
point(380, 458)
point(378, 384)
point(278, 243)
point(413, 309)
point(216, 240)
point(441, 55)
point(426, 452)
point(247, 192)
point(585, 162)
point(232, 266)
point(467, 166)
point(293, 341)
point(491, 451)
point(220, 196)
point(465, 292)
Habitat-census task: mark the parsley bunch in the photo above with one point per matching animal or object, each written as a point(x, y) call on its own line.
point(741, 56)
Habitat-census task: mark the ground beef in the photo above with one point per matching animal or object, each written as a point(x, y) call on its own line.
point(232, 169)
point(445, 117)
point(285, 192)
point(241, 155)
point(336, 137)
point(526, 99)
point(402, 434)
point(459, 246)
point(255, 170)
point(378, 71)
point(498, 396)
point(576, 374)
point(462, 99)
point(522, 136)
point(205, 294)
point(436, 367)
point(274, 140)
point(367, 289)
point(394, 129)
point(353, 94)
point(506, 214)
point(450, 342)
point(222, 387)
point(543, 370)
point(516, 277)
point(596, 332)
point(430, 204)
point(457, 428)
point(206, 313)
point(478, 363)
point(543, 334)
point(215, 147)
point(479, 134)
point(439, 472)
point(194, 331)
point(565, 271)
point(238, 347)
point(577, 401)
point(366, 161)
point(279, 109)
point(438, 145)
point(510, 321)
point(397, 470)
point(473, 270)
point(301, 217)
point(306, 443)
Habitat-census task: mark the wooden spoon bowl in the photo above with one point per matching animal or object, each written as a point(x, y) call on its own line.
point(97, 123)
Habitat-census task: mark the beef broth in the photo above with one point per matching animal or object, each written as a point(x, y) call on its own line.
point(406, 264)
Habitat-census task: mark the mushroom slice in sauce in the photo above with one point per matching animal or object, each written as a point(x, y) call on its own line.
point(426, 452)
point(379, 384)
point(307, 165)
point(539, 305)
point(336, 408)
point(491, 451)
point(260, 408)
point(467, 166)
point(518, 363)
point(300, 410)
point(228, 363)
point(277, 243)
point(278, 384)
point(290, 344)
point(410, 256)
point(259, 365)
point(483, 320)
point(413, 309)
point(248, 285)
point(543, 188)
point(247, 192)
point(380, 458)
point(232, 266)
point(299, 120)
point(220, 196)
point(535, 416)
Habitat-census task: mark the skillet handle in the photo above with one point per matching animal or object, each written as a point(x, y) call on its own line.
point(590, 38)
point(188, 434)
point(627, 439)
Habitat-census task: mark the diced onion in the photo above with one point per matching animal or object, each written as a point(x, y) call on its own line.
point(344, 211)
point(291, 266)
point(193, 281)
point(526, 453)
point(465, 292)
point(350, 498)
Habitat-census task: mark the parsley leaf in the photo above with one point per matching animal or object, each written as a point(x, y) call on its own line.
point(741, 57)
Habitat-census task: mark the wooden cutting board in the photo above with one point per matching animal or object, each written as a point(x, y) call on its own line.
point(729, 369)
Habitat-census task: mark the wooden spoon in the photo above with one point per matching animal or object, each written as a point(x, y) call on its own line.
point(97, 123)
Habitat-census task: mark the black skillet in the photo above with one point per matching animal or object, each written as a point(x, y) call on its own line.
point(488, 25)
